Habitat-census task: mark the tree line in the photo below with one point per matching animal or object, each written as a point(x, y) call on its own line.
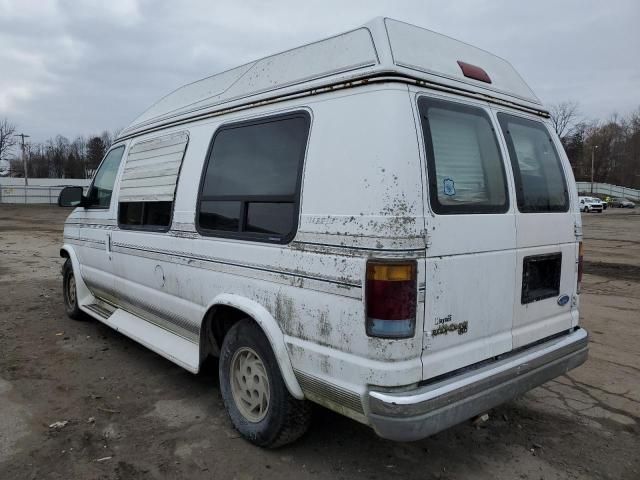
point(613, 145)
point(57, 157)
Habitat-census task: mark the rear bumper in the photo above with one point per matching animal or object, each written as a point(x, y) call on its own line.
point(415, 414)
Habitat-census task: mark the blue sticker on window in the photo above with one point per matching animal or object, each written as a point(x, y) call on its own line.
point(449, 187)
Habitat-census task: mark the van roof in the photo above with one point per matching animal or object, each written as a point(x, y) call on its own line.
point(381, 49)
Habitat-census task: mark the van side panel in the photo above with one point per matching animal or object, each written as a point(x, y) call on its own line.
point(361, 198)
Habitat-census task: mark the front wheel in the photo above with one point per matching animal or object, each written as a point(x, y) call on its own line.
point(260, 407)
point(70, 292)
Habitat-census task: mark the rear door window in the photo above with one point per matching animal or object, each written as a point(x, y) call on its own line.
point(466, 170)
point(538, 173)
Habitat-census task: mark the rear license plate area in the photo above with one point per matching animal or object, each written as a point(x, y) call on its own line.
point(541, 277)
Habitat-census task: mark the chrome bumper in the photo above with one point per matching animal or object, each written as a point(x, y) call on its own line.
point(415, 414)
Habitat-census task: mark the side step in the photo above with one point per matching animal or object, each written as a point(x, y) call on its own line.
point(171, 346)
point(101, 309)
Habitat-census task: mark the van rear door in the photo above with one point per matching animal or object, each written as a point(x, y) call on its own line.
point(546, 269)
point(470, 221)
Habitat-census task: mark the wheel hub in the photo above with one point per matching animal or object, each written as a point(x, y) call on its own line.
point(249, 384)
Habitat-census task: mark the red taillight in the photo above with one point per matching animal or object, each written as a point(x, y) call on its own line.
point(391, 299)
point(580, 262)
point(473, 71)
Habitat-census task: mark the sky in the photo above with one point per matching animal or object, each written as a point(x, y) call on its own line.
point(81, 67)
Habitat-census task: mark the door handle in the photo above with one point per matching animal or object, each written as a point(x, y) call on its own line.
point(108, 243)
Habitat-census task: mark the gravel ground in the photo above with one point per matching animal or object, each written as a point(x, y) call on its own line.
point(131, 414)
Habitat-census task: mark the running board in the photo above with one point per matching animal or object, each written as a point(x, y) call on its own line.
point(171, 346)
point(101, 309)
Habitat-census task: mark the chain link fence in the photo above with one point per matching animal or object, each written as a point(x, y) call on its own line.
point(29, 194)
point(13, 192)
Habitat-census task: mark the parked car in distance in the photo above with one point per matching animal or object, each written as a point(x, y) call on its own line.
point(383, 223)
point(590, 204)
point(595, 201)
point(620, 202)
point(605, 203)
point(598, 201)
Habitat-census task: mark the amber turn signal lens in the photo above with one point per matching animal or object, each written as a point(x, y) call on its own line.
point(391, 272)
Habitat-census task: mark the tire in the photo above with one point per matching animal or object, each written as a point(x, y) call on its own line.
point(275, 418)
point(70, 292)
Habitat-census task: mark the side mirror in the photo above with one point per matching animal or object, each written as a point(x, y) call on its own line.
point(71, 197)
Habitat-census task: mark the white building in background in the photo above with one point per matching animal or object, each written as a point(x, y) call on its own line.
point(39, 190)
point(44, 182)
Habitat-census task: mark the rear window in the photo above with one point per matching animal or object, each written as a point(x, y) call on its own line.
point(540, 181)
point(466, 170)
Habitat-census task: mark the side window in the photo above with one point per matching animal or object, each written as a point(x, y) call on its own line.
point(466, 170)
point(540, 182)
point(148, 186)
point(155, 215)
point(99, 195)
point(251, 183)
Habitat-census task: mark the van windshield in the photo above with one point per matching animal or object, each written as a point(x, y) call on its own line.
point(540, 182)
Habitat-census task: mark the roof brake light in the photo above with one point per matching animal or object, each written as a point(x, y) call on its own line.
point(473, 71)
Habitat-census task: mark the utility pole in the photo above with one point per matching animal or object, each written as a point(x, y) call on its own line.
point(24, 156)
point(593, 156)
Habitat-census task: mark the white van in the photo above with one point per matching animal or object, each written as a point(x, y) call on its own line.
point(382, 223)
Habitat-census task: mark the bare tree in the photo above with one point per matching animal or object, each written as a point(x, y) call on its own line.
point(95, 151)
point(115, 133)
point(563, 116)
point(60, 152)
point(107, 139)
point(7, 137)
point(79, 149)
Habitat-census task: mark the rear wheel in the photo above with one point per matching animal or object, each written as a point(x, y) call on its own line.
point(70, 292)
point(254, 393)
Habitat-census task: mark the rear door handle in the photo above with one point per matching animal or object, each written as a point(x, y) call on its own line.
point(108, 243)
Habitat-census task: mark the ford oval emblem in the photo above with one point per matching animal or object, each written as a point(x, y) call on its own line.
point(563, 300)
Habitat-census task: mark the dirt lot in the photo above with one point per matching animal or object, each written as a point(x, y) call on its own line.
point(133, 414)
